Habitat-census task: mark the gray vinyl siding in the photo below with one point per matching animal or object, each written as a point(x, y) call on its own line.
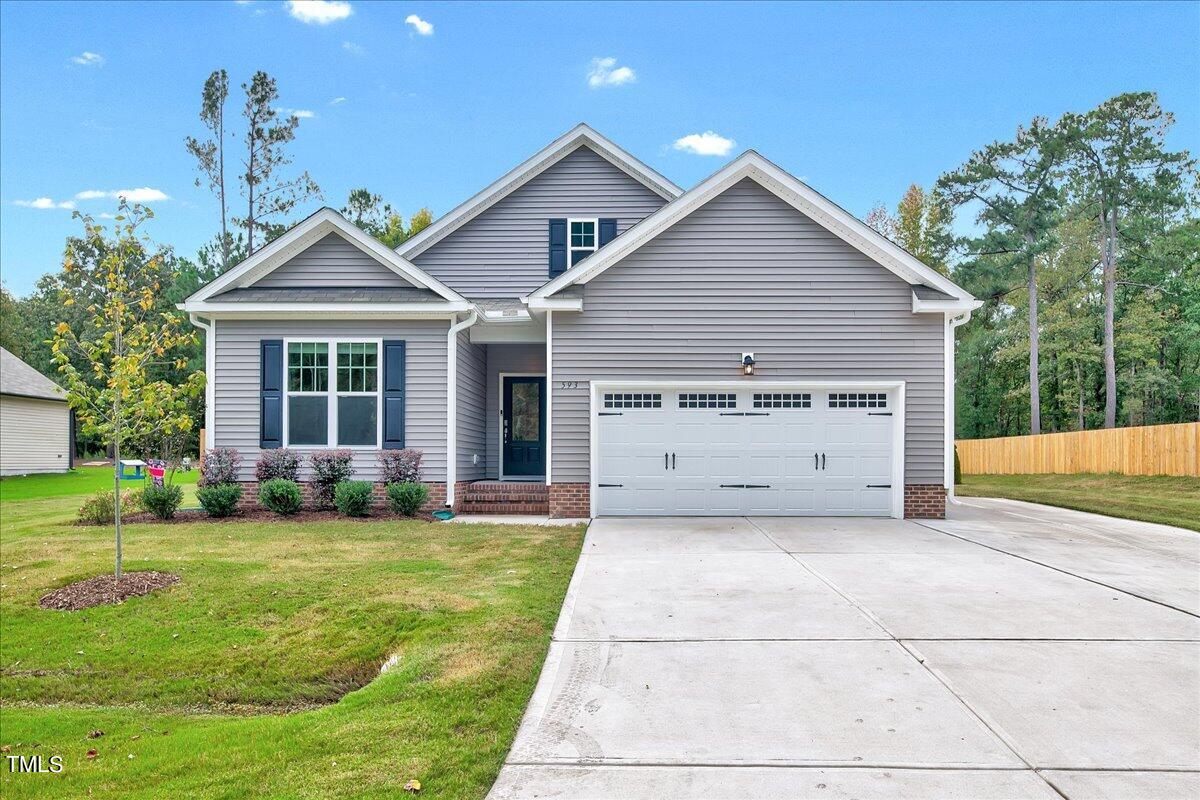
point(236, 390)
point(503, 252)
point(332, 261)
point(522, 359)
point(748, 273)
point(472, 368)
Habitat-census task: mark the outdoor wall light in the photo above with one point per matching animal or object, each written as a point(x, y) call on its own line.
point(747, 363)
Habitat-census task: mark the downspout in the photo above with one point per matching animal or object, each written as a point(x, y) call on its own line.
point(952, 322)
point(210, 383)
point(452, 402)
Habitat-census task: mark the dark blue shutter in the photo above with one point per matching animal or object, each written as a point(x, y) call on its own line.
point(558, 247)
point(270, 404)
point(393, 394)
point(608, 231)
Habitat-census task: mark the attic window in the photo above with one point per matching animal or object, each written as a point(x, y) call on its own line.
point(582, 239)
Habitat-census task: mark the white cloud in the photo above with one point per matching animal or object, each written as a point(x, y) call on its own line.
point(88, 59)
point(421, 26)
point(302, 113)
point(45, 202)
point(337, 101)
point(353, 48)
point(142, 195)
point(319, 12)
point(708, 143)
point(605, 72)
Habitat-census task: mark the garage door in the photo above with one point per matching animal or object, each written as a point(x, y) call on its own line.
point(766, 451)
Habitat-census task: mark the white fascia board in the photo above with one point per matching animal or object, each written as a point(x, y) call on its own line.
point(920, 306)
point(809, 202)
point(530, 168)
point(326, 310)
point(553, 304)
point(305, 234)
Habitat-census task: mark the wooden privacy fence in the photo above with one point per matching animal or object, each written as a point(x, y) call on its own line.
point(1147, 450)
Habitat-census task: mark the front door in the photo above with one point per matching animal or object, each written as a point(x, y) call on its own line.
point(524, 434)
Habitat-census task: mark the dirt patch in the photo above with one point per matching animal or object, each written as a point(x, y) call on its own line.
point(191, 515)
point(105, 590)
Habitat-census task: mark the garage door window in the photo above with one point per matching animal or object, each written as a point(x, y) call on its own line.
point(857, 400)
point(783, 400)
point(633, 400)
point(708, 401)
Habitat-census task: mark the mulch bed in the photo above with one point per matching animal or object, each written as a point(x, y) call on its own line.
point(106, 590)
point(190, 515)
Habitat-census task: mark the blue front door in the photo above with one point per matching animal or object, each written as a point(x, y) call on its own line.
point(524, 451)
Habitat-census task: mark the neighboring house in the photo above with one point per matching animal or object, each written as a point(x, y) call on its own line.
point(603, 342)
point(36, 428)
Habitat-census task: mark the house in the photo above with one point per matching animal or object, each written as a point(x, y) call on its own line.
point(37, 431)
point(584, 336)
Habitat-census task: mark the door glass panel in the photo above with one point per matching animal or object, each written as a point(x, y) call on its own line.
point(526, 411)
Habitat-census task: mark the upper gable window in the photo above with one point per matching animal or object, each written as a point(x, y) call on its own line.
point(583, 239)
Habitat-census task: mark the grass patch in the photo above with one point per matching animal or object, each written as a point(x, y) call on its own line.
point(79, 481)
point(256, 674)
point(1164, 499)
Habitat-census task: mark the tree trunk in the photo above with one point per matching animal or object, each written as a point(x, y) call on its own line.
point(221, 173)
point(117, 462)
point(1079, 380)
point(250, 192)
point(1110, 292)
point(1035, 389)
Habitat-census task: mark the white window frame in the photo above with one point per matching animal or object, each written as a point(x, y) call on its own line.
point(333, 394)
point(595, 238)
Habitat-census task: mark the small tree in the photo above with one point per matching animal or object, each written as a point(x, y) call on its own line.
point(107, 364)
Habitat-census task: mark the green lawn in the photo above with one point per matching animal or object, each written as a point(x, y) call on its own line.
point(81, 481)
point(1168, 500)
point(256, 675)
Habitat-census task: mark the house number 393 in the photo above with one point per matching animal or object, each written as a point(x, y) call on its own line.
point(568, 384)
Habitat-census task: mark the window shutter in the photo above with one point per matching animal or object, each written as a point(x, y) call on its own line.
point(270, 404)
point(608, 231)
point(393, 394)
point(558, 247)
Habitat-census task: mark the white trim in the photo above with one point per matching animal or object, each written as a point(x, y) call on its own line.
point(549, 392)
point(752, 165)
point(210, 378)
point(553, 303)
point(307, 310)
point(920, 306)
point(948, 391)
point(452, 402)
point(300, 238)
point(500, 376)
point(895, 388)
point(579, 136)
point(332, 393)
point(595, 238)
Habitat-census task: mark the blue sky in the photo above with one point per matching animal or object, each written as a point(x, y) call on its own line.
point(859, 100)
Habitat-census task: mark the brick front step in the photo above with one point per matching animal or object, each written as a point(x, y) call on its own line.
point(496, 497)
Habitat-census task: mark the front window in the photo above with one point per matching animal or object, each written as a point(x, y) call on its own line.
point(342, 409)
point(582, 239)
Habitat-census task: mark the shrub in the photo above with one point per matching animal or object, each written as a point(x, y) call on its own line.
point(99, 508)
point(407, 498)
point(353, 498)
point(400, 466)
point(162, 501)
point(281, 496)
point(220, 466)
point(330, 467)
point(220, 500)
point(279, 463)
point(957, 468)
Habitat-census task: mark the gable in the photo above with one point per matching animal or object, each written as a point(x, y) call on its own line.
point(331, 262)
point(748, 244)
point(502, 252)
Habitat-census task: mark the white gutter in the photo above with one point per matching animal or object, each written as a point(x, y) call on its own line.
point(452, 402)
point(210, 383)
point(952, 322)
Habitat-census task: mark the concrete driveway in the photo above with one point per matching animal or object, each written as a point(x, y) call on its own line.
point(1012, 651)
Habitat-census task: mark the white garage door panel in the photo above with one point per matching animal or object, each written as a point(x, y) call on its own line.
point(741, 459)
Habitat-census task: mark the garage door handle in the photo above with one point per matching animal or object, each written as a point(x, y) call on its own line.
point(745, 413)
point(822, 461)
point(879, 486)
point(879, 413)
point(816, 461)
point(672, 461)
point(745, 486)
point(609, 485)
